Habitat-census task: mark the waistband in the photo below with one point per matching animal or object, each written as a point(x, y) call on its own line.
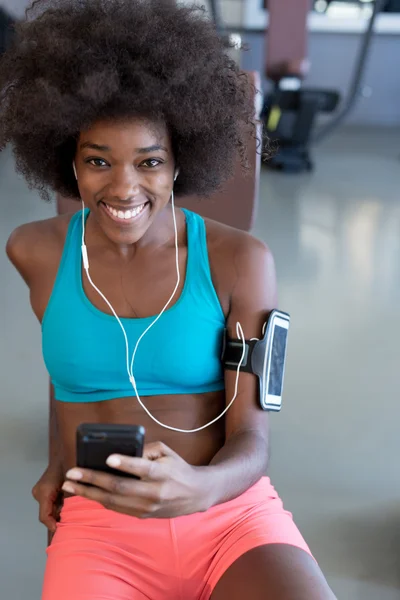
point(80, 510)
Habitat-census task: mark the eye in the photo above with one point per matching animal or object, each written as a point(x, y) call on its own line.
point(97, 162)
point(150, 163)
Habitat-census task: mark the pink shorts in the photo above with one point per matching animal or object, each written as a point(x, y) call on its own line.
point(97, 554)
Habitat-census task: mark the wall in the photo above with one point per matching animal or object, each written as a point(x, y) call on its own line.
point(15, 7)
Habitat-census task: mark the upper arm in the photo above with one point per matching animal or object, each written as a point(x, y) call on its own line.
point(17, 249)
point(33, 247)
point(254, 296)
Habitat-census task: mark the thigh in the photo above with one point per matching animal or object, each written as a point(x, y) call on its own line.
point(83, 571)
point(273, 572)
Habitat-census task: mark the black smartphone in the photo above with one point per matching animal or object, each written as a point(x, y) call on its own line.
point(95, 442)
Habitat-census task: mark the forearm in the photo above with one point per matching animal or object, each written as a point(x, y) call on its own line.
point(54, 449)
point(240, 463)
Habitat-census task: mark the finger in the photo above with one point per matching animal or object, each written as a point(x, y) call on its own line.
point(140, 467)
point(132, 505)
point(149, 466)
point(46, 515)
point(123, 486)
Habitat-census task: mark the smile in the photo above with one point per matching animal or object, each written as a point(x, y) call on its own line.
point(124, 215)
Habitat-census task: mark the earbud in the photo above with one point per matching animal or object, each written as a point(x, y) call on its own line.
point(176, 174)
point(74, 168)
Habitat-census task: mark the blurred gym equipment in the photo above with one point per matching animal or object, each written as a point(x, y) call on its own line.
point(6, 29)
point(392, 6)
point(290, 111)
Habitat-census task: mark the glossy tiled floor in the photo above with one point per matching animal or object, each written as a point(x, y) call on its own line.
point(336, 238)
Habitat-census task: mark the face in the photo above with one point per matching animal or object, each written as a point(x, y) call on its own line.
point(125, 173)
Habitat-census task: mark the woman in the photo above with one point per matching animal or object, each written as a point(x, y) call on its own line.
point(122, 103)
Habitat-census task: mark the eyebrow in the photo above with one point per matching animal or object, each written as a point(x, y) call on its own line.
point(147, 150)
point(95, 147)
point(153, 148)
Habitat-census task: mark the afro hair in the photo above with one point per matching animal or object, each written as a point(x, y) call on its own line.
point(74, 62)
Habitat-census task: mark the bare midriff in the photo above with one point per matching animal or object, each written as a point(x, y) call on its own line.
point(181, 412)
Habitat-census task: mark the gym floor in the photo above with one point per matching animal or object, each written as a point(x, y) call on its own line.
point(335, 235)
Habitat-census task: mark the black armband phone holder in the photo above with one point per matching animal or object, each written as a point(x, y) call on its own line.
point(264, 358)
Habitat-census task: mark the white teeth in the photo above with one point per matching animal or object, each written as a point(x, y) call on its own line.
point(127, 214)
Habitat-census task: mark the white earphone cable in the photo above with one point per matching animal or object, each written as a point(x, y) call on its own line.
point(129, 366)
point(178, 280)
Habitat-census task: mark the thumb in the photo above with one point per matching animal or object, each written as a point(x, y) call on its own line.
point(157, 450)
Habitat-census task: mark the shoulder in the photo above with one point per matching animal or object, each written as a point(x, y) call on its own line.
point(238, 249)
point(33, 244)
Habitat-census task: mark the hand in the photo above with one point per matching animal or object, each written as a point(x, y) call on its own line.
point(168, 486)
point(47, 492)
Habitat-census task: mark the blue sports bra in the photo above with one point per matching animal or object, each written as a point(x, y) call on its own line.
point(84, 348)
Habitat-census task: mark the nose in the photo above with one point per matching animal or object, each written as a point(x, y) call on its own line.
point(125, 183)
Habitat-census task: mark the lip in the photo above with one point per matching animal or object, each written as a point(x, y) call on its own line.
point(123, 221)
